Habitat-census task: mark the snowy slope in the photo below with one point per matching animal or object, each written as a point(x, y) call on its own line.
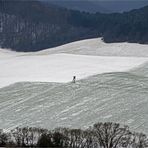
point(117, 97)
point(117, 92)
point(62, 63)
point(61, 67)
point(98, 47)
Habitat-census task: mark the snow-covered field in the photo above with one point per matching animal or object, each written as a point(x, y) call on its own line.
point(61, 67)
point(83, 58)
point(112, 86)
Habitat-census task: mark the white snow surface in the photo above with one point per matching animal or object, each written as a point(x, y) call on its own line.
point(82, 58)
point(61, 67)
point(98, 48)
point(118, 97)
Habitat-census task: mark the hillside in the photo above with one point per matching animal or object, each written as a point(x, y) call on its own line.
point(81, 5)
point(117, 97)
point(83, 59)
point(111, 86)
point(33, 26)
point(97, 47)
point(109, 6)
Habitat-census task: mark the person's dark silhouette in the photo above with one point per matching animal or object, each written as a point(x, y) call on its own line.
point(74, 79)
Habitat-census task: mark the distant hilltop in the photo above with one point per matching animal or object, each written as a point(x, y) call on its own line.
point(103, 6)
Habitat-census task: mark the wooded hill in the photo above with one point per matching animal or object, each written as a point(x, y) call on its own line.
point(32, 25)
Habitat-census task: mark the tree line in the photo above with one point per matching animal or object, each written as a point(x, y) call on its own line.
point(33, 26)
point(100, 135)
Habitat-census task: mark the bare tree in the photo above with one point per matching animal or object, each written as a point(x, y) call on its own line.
point(27, 136)
point(3, 138)
point(110, 135)
point(138, 140)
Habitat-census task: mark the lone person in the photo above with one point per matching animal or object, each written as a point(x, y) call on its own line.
point(74, 79)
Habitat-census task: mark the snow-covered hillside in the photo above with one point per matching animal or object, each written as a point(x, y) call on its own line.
point(112, 85)
point(98, 48)
point(83, 58)
point(61, 67)
point(117, 97)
